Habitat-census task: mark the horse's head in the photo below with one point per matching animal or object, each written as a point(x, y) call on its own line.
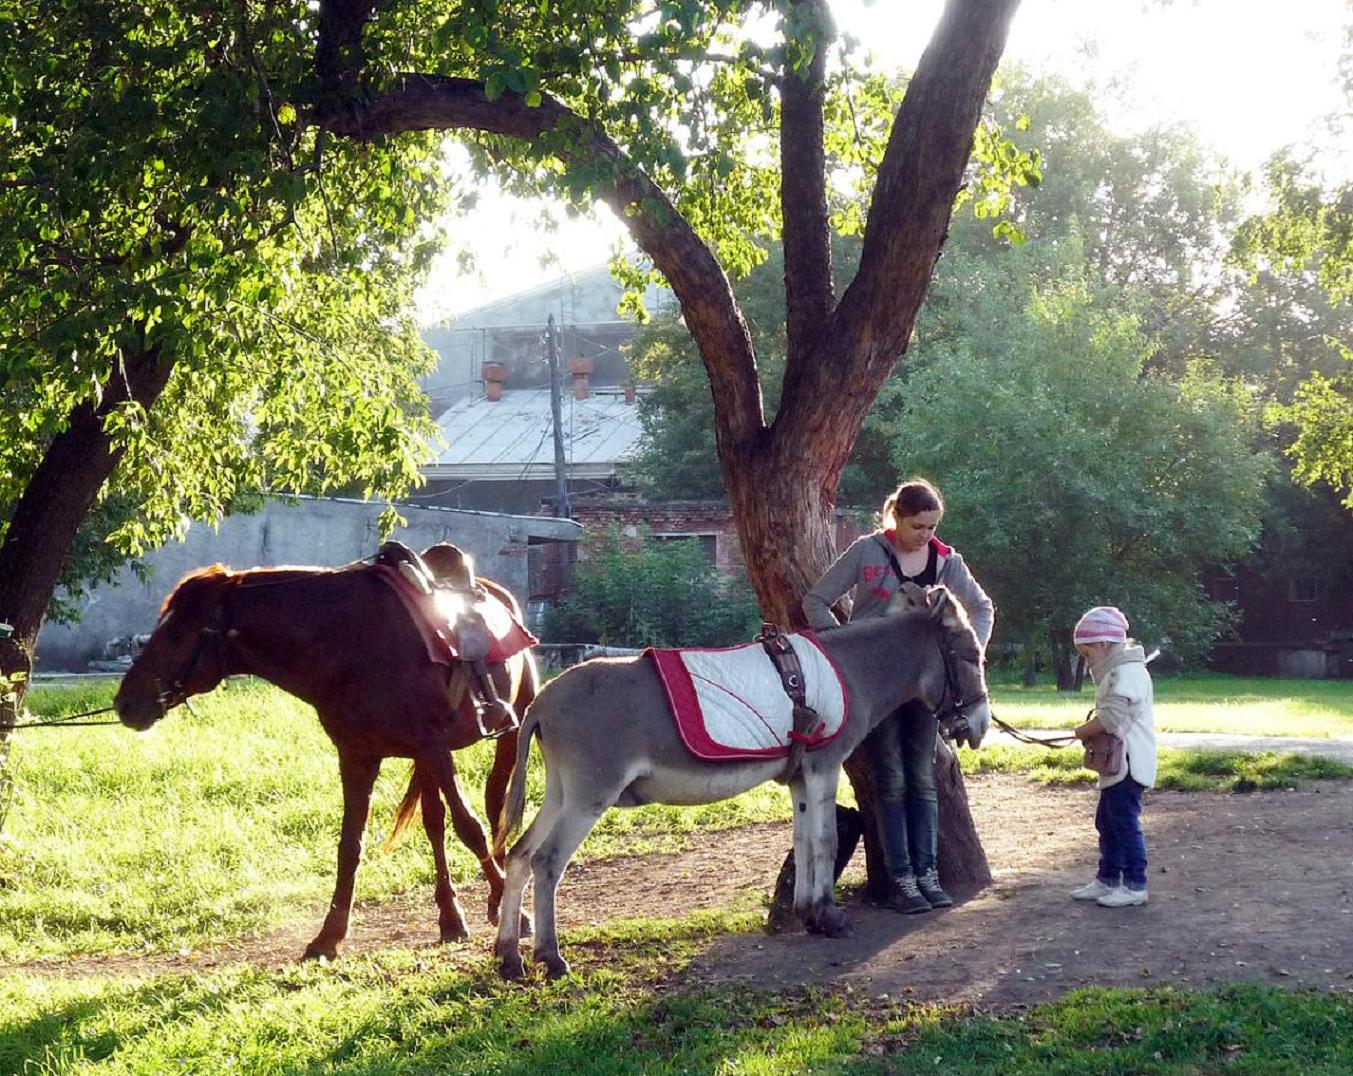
point(185, 654)
point(963, 709)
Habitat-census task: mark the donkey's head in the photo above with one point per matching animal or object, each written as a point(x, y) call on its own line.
point(963, 709)
point(185, 654)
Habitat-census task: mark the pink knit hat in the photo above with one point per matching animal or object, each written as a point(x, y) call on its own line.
point(1102, 624)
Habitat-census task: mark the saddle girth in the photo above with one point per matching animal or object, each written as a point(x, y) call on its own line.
point(781, 653)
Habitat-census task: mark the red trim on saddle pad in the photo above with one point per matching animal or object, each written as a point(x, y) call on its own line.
point(438, 636)
point(758, 701)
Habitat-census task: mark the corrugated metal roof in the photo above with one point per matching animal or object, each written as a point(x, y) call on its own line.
point(511, 437)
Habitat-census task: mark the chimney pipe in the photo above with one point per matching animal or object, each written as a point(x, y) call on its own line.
point(581, 368)
point(494, 374)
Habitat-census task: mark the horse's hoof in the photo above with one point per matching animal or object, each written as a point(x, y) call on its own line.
point(493, 913)
point(318, 950)
point(456, 932)
point(782, 919)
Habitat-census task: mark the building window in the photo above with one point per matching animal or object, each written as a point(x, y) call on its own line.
point(709, 543)
point(1302, 588)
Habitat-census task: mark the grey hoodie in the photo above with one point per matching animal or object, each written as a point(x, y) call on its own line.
point(865, 566)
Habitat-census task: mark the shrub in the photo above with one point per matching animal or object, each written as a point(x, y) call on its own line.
point(644, 593)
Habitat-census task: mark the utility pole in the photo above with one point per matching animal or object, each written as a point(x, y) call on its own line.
point(562, 508)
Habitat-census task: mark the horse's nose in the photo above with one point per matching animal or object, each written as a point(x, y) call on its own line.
point(137, 713)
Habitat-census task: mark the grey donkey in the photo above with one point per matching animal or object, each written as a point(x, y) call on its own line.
point(609, 739)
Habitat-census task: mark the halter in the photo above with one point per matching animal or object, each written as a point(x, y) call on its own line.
point(949, 715)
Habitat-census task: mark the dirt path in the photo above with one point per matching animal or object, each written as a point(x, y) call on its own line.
point(1241, 886)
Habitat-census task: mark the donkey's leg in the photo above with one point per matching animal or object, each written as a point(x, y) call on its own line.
point(819, 794)
point(548, 862)
point(450, 916)
point(471, 833)
point(512, 922)
point(358, 774)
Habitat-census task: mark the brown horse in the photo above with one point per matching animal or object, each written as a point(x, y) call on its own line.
point(340, 639)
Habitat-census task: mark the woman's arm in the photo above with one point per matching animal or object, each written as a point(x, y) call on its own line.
point(843, 574)
point(976, 602)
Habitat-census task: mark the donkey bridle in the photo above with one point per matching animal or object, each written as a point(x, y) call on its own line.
point(953, 716)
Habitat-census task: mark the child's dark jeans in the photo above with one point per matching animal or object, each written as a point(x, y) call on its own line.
point(1122, 843)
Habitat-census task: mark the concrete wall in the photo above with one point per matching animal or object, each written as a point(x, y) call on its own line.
point(320, 532)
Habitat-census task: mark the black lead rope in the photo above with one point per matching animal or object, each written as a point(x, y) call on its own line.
point(72, 721)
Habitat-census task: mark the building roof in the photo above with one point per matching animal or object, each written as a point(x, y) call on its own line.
point(510, 438)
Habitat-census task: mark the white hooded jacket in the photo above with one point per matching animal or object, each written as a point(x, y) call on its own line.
point(1125, 705)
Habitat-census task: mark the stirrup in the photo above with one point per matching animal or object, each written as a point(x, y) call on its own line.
point(510, 722)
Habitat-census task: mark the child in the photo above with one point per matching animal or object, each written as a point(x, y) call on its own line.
point(1123, 706)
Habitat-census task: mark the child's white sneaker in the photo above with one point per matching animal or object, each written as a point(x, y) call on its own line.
point(1122, 897)
point(1093, 891)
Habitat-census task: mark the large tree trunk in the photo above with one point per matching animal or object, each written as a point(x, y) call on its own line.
point(54, 503)
point(782, 478)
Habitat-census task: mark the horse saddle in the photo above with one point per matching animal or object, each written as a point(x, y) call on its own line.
point(731, 704)
point(458, 619)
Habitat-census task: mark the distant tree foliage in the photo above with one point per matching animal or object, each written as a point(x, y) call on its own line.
point(640, 592)
point(1073, 479)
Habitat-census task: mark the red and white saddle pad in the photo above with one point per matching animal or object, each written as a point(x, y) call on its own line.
point(730, 704)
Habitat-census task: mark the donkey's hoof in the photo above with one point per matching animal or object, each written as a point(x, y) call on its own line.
point(556, 967)
point(526, 927)
point(830, 922)
point(510, 967)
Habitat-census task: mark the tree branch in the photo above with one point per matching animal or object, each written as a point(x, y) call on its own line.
point(809, 295)
point(918, 180)
point(423, 102)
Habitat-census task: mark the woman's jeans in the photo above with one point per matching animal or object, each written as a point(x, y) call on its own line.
point(902, 750)
point(1122, 842)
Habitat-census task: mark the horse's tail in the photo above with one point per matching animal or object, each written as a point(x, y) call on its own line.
point(407, 812)
point(515, 804)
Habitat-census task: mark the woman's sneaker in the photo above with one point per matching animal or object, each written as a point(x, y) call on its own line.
point(1093, 891)
point(929, 885)
point(904, 895)
point(1122, 897)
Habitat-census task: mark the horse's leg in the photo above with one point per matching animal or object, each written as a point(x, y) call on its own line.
point(450, 916)
point(495, 788)
point(512, 922)
point(819, 796)
point(359, 776)
point(471, 832)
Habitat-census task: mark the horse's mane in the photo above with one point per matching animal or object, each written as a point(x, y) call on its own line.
point(194, 588)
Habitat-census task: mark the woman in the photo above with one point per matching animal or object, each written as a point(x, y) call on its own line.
point(902, 748)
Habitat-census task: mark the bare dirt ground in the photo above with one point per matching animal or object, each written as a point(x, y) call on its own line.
point(1242, 886)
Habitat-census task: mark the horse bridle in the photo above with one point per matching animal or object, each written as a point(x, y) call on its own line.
point(212, 634)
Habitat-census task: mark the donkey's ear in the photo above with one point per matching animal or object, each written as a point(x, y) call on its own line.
point(909, 599)
point(937, 600)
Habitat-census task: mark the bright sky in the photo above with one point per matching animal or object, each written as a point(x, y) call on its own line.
point(1250, 75)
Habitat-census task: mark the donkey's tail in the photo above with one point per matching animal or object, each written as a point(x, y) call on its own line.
point(410, 807)
point(515, 804)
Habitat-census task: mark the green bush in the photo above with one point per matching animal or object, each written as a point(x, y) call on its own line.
point(646, 593)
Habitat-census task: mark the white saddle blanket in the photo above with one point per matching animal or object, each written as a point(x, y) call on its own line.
point(730, 704)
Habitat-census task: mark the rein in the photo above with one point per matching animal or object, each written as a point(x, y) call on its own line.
point(1023, 737)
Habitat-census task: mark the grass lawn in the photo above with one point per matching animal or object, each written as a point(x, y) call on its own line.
point(211, 825)
point(1196, 702)
point(399, 1012)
